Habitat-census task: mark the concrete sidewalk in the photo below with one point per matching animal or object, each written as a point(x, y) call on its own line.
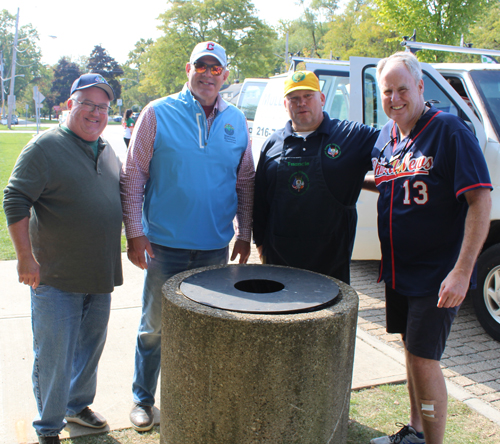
point(375, 362)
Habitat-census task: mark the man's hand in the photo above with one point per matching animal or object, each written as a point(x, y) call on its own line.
point(28, 270)
point(259, 250)
point(477, 223)
point(136, 248)
point(453, 289)
point(242, 248)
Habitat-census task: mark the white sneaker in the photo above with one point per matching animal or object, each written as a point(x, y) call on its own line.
point(407, 435)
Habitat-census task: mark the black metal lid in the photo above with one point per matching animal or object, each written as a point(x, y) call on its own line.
point(260, 289)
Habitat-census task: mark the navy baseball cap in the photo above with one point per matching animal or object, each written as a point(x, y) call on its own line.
point(209, 49)
point(88, 80)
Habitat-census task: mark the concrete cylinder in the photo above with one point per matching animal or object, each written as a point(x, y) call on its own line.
point(235, 377)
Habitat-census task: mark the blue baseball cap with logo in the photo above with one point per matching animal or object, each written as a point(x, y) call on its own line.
point(209, 49)
point(89, 80)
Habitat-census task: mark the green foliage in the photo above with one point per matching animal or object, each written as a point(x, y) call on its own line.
point(357, 32)
point(28, 57)
point(102, 63)
point(436, 21)
point(65, 73)
point(231, 23)
point(133, 75)
point(485, 33)
point(306, 34)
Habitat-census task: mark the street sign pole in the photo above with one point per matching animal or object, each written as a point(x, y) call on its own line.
point(38, 97)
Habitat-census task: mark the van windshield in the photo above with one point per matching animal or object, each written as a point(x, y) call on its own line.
point(488, 85)
point(335, 87)
point(249, 98)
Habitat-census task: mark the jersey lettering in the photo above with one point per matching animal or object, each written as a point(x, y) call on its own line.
point(408, 166)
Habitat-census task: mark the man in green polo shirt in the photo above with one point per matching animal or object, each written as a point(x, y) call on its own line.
point(63, 210)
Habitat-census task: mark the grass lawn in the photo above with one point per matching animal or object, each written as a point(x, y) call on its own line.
point(373, 412)
point(21, 128)
point(11, 145)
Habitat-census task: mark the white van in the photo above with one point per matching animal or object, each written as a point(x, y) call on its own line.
point(470, 91)
point(249, 97)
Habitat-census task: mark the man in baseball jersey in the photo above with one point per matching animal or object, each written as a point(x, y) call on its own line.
point(307, 183)
point(433, 217)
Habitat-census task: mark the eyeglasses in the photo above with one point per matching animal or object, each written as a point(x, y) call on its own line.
point(90, 107)
point(401, 154)
point(215, 70)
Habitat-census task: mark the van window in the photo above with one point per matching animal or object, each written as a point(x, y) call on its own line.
point(250, 96)
point(335, 87)
point(374, 114)
point(434, 93)
point(488, 85)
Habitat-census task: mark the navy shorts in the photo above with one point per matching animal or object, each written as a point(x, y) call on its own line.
point(424, 326)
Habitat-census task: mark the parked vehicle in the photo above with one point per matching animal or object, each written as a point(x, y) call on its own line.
point(249, 97)
point(117, 118)
point(470, 91)
point(63, 116)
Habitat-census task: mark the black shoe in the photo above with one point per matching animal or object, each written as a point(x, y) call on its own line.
point(142, 417)
point(88, 418)
point(49, 439)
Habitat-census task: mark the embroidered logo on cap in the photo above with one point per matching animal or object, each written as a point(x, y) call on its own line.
point(99, 79)
point(332, 151)
point(298, 77)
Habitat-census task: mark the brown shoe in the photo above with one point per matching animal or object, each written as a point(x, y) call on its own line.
point(142, 417)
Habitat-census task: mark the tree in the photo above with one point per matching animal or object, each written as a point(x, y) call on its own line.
point(133, 76)
point(65, 73)
point(102, 63)
point(28, 57)
point(485, 33)
point(436, 21)
point(357, 32)
point(232, 23)
point(313, 21)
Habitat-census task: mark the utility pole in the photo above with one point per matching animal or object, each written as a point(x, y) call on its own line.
point(1, 84)
point(12, 97)
point(286, 51)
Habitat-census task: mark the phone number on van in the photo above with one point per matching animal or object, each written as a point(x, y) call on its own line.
point(264, 132)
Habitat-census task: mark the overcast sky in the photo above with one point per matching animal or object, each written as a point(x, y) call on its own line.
point(116, 26)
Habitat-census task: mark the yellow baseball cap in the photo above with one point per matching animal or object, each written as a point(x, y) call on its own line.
point(301, 80)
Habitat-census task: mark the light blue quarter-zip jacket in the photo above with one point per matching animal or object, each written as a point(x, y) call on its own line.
point(190, 198)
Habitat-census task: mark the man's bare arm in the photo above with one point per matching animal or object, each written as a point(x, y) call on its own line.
point(477, 223)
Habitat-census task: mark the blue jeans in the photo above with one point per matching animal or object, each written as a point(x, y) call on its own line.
point(166, 263)
point(69, 332)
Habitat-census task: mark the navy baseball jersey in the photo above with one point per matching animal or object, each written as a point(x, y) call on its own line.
point(422, 208)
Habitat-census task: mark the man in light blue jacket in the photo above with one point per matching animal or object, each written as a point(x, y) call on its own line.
point(189, 172)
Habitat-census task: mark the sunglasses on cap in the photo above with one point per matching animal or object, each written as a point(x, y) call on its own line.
point(215, 70)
